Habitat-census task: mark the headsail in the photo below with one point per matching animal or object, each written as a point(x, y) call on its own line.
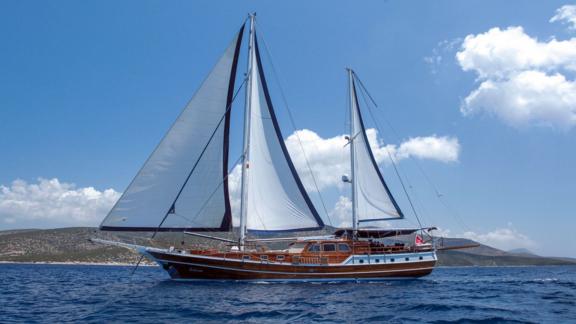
point(175, 187)
point(276, 199)
point(373, 198)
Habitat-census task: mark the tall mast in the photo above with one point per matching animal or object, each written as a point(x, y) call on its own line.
point(352, 93)
point(245, 157)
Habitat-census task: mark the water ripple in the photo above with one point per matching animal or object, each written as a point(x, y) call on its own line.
point(96, 294)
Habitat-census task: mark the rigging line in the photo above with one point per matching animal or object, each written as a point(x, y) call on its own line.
point(200, 157)
point(366, 90)
point(400, 174)
point(393, 162)
point(293, 124)
point(192, 219)
point(439, 195)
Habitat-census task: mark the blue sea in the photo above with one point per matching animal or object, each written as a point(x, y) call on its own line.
point(77, 293)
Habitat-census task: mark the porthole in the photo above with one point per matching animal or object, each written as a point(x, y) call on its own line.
point(392, 260)
point(361, 261)
point(407, 259)
point(421, 258)
point(377, 260)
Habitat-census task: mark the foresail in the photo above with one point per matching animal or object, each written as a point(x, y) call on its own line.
point(183, 184)
point(276, 198)
point(373, 198)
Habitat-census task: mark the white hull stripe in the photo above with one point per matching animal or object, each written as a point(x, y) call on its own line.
point(357, 256)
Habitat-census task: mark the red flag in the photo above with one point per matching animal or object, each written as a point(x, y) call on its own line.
point(419, 240)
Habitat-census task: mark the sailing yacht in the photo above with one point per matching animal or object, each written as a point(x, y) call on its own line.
point(183, 187)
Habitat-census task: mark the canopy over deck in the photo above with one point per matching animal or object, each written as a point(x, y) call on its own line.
point(379, 232)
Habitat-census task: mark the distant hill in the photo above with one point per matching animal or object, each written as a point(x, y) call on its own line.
point(72, 245)
point(485, 255)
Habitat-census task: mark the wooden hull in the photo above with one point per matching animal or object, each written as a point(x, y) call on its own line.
point(196, 267)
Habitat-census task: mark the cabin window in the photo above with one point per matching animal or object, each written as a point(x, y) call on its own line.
point(264, 257)
point(421, 258)
point(361, 261)
point(377, 260)
point(392, 260)
point(407, 259)
point(314, 248)
point(279, 258)
point(246, 257)
point(329, 247)
point(342, 247)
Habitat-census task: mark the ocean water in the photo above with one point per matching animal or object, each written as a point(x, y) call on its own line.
point(74, 293)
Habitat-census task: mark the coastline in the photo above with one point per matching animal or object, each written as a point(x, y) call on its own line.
point(116, 264)
point(124, 264)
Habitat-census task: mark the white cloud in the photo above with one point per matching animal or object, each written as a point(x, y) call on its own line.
point(436, 59)
point(329, 158)
point(442, 232)
point(55, 202)
point(567, 15)
point(443, 149)
point(500, 52)
point(502, 238)
point(527, 98)
point(522, 81)
point(234, 186)
point(341, 215)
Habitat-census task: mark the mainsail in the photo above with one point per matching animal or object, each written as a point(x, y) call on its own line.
point(174, 190)
point(373, 200)
point(276, 199)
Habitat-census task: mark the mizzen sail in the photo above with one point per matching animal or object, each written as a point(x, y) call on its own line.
point(373, 200)
point(174, 190)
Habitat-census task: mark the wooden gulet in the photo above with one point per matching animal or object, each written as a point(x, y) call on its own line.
point(167, 196)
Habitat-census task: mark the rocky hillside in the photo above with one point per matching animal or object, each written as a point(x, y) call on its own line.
point(73, 245)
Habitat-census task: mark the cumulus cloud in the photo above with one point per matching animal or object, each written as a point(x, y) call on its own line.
point(329, 158)
point(443, 149)
point(234, 188)
point(522, 81)
point(527, 98)
point(506, 238)
point(56, 202)
point(502, 238)
point(566, 15)
point(341, 214)
point(501, 52)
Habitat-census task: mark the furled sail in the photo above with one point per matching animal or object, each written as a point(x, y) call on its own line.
point(373, 198)
point(183, 184)
point(276, 199)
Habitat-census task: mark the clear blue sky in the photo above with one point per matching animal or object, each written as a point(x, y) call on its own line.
point(88, 88)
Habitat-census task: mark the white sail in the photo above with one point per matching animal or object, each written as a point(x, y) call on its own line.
point(373, 198)
point(183, 184)
point(275, 198)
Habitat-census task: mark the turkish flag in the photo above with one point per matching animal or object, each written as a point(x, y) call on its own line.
point(419, 240)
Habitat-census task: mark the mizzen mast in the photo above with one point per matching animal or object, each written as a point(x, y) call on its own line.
point(352, 95)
